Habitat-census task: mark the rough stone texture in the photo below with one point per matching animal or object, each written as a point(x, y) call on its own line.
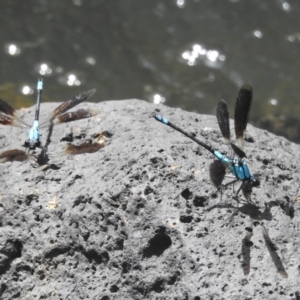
point(139, 219)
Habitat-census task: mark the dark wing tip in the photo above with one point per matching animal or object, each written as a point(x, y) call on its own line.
point(242, 110)
point(223, 118)
point(247, 87)
point(222, 102)
point(246, 91)
point(222, 106)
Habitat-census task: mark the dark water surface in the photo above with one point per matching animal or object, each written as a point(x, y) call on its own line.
point(188, 53)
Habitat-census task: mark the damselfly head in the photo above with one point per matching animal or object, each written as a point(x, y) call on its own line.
point(255, 182)
point(32, 144)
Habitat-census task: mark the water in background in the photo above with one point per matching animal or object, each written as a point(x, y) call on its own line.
point(183, 53)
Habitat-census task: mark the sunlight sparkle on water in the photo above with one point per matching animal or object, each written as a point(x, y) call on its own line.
point(286, 6)
point(158, 99)
point(211, 57)
point(295, 37)
point(258, 34)
point(73, 80)
point(273, 102)
point(44, 69)
point(90, 60)
point(77, 2)
point(180, 3)
point(12, 49)
point(26, 90)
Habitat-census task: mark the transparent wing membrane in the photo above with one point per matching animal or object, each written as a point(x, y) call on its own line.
point(6, 108)
point(75, 115)
point(9, 116)
point(67, 105)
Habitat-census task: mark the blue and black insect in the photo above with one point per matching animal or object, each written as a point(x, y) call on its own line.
point(34, 132)
point(9, 116)
point(235, 164)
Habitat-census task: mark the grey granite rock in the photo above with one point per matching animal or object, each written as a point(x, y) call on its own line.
point(139, 219)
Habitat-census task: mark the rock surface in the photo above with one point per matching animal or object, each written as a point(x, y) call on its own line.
point(139, 219)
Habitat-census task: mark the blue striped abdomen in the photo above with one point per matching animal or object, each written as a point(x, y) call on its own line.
point(237, 167)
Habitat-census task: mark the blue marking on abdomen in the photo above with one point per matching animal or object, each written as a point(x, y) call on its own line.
point(222, 158)
point(34, 133)
point(238, 168)
point(40, 84)
point(240, 171)
point(161, 119)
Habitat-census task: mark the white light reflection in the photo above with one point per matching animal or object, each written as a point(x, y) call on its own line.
point(158, 99)
point(210, 57)
point(211, 77)
point(273, 101)
point(294, 37)
point(44, 69)
point(90, 60)
point(12, 49)
point(59, 69)
point(199, 49)
point(77, 2)
point(73, 80)
point(27, 90)
point(180, 3)
point(258, 34)
point(286, 6)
